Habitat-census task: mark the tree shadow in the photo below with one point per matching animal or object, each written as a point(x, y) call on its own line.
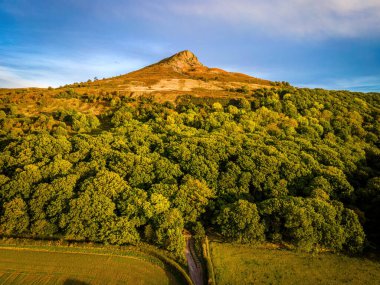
point(72, 281)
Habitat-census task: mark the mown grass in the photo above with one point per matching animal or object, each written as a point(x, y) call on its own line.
point(23, 265)
point(239, 264)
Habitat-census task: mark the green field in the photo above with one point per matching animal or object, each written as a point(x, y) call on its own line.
point(40, 266)
point(238, 264)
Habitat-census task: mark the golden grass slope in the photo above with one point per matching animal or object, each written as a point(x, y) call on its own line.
point(186, 66)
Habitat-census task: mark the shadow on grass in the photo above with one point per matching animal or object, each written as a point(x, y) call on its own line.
point(72, 281)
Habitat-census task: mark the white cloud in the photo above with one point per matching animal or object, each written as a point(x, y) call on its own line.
point(20, 69)
point(9, 79)
point(319, 18)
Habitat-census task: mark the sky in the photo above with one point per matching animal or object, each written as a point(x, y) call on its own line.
point(332, 44)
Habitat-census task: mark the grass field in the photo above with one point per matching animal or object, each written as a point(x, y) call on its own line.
point(40, 266)
point(238, 264)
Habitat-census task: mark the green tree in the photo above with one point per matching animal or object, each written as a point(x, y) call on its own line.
point(168, 228)
point(192, 198)
point(14, 219)
point(240, 221)
point(88, 216)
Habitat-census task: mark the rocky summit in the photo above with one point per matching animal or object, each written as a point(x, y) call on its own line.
point(182, 61)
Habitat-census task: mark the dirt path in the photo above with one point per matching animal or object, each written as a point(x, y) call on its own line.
point(195, 266)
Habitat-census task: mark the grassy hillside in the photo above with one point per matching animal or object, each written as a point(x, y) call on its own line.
point(238, 264)
point(74, 266)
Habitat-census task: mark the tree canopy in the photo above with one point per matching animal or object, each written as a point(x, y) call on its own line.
point(281, 164)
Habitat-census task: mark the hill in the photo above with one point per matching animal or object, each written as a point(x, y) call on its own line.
point(170, 78)
point(181, 72)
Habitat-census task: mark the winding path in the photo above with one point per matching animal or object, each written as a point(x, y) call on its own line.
point(195, 266)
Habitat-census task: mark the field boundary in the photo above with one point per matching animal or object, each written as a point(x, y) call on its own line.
point(209, 266)
point(173, 266)
point(71, 252)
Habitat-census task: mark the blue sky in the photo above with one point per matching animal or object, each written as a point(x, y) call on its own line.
point(333, 44)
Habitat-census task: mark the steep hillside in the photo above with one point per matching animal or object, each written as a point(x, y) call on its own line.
point(181, 74)
point(185, 65)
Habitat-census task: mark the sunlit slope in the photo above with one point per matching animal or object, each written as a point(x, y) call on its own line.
point(178, 75)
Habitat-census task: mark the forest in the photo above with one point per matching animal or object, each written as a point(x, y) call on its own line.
point(284, 165)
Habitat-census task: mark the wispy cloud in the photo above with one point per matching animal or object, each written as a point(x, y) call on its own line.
point(9, 78)
point(322, 18)
point(360, 83)
point(20, 69)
